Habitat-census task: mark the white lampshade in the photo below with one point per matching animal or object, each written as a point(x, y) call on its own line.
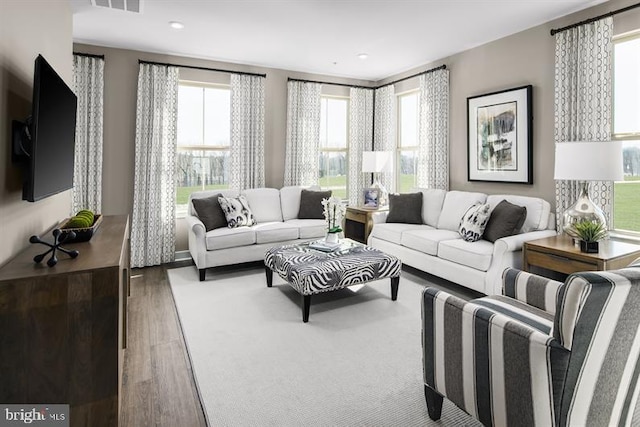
point(376, 161)
point(589, 161)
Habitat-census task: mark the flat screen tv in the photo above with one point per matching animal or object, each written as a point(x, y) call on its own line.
point(44, 144)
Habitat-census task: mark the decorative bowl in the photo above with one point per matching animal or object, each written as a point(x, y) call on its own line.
point(83, 234)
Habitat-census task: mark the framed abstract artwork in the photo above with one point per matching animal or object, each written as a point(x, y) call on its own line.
point(500, 136)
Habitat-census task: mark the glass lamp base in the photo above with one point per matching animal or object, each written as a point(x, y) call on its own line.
point(582, 210)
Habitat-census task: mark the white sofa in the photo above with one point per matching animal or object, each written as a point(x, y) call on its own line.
point(436, 247)
point(276, 213)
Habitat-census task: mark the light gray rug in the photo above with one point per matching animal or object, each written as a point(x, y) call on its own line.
point(356, 363)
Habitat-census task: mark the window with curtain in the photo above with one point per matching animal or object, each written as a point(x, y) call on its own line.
point(407, 150)
point(334, 137)
point(626, 127)
point(204, 134)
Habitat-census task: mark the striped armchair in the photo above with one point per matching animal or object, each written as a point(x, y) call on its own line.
point(544, 353)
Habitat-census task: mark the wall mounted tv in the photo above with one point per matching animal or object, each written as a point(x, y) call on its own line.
point(44, 143)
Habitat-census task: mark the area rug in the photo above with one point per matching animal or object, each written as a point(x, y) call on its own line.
point(357, 362)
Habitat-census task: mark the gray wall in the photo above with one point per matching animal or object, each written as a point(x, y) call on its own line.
point(26, 30)
point(521, 59)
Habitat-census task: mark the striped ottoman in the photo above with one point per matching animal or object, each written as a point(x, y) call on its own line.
point(312, 272)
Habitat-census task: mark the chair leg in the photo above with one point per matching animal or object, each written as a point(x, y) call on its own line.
point(203, 273)
point(434, 402)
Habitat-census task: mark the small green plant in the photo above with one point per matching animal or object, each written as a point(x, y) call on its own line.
point(590, 231)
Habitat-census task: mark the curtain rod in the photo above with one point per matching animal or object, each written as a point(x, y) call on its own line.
point(441, 67)
point(597, 18)
point(88, 55)
point(193, 67)
point(291, 79)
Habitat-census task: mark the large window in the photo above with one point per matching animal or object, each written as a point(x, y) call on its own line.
point(204, 132)
point(334, 137)
point(626, 127)
point(407, 141)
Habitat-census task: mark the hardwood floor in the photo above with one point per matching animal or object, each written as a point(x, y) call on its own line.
point(158, 388)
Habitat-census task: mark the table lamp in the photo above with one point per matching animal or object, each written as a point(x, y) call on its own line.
point(584, 162)
point(376, 162)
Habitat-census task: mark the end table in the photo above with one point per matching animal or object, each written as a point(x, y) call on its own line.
point(358, 222)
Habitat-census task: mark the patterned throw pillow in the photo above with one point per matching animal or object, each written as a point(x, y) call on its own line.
point(474, 221)
point(237, 211)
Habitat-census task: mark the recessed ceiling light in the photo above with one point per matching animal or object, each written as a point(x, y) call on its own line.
point(363, 56)
point(176, 25)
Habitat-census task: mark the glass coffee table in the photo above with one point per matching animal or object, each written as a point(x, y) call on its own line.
point(310, 271)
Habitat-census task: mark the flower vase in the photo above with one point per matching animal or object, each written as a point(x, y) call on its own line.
point(331, 238)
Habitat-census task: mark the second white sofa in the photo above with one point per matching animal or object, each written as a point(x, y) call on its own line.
point(436, 247)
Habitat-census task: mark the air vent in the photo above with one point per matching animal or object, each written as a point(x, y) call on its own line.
point(126, 5)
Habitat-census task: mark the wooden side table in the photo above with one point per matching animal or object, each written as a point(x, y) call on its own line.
point(359, 222)
point(558, 253)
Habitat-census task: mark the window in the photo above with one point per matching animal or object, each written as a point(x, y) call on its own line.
point(626, 127)
point(334, 137)
point(407, 141)
point(204, 132)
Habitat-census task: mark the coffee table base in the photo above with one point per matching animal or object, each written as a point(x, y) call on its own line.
point(306, 299)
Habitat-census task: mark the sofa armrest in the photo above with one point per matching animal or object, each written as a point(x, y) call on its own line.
point(197, 244)
point(531, 289)
point(515, 242)
point(463, 343)
point(379, 217)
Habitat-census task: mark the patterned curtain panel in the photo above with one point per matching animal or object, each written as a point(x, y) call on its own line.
point(385, 130)
point(247, 132)
point(303, 134)
point(88, 82)
point(583, 102)
point(154, 190)
point(360, 138)
point(433, 140)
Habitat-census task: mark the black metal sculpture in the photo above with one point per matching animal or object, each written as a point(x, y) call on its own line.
point(55, 247)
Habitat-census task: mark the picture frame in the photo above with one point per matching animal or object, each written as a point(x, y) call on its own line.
point(500, 136)
point(371, 198)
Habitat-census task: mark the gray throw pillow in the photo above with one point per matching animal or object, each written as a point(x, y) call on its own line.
point(473, 222)
point(506, 220)
point(311, 204)
point(405, 208)
point(237, 211)
point(210, 213)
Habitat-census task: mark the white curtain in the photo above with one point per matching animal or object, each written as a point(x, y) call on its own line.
point(360, 138)
point(433, 139)
point(247, 132)
point(88, 82)
point(583, 102)
point(154, 190)
point(303, 134)
point(385, 131)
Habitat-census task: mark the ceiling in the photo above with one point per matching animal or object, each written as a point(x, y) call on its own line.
point(316, 36)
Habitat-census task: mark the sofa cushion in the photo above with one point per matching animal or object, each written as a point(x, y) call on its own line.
point(426, 239)
point(473, 222)
point(311, 204)
point(392, 231)
point(264, 203)
point(405, 208)
point(432, 200)
point(290, 200)
point(270, 232)
point(309, 228)
point(237, 211)
point(506, 220)
point(224, 238)
point(208, 193)
point(472, 254)
point(209, 211)
point(455, 205)
point(538, 210)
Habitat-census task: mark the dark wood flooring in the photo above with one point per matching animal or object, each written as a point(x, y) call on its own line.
point(158, 388)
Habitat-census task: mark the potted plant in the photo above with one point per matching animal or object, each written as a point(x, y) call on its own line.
point(333, 210)
point(589, 233)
